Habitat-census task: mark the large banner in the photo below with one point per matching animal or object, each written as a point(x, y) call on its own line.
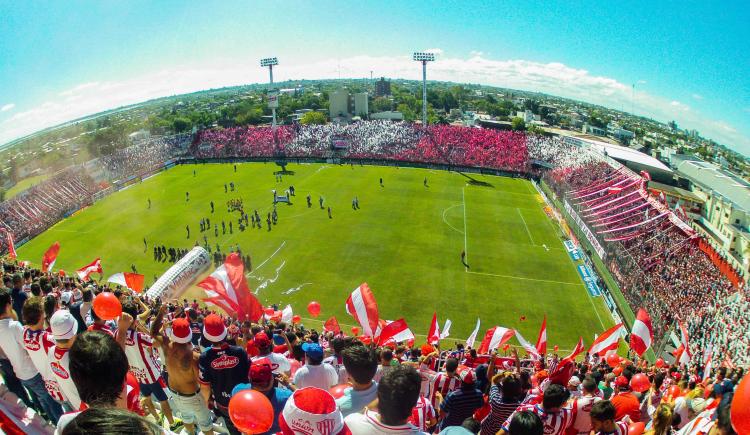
point(589, 235)
point(179, 277)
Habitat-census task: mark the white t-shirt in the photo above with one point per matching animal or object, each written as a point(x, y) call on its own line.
point(322, 376)
point(337, 363)
point(369, 423)
point(59, 361)
point(11, 340)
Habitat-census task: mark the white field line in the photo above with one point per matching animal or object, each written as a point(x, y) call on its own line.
point(446, 221)
point(526, 279)
point(526, 226)
point(466, 245)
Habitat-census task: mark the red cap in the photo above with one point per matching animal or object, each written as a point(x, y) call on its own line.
point(261, 340)
point(261, 371)
point(622, 382)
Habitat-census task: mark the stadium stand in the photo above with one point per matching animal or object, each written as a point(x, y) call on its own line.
point(655, 258)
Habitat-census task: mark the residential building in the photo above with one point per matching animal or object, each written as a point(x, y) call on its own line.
point(382, 87)
point(360, 104)
point(339, 103)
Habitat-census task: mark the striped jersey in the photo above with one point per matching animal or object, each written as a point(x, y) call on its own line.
point(442, 383)
point(582, 414)
point(500, 411)
point(555, 423)
point(422, 413)
point(37, 345)
point(142, 359)
point(59, 362)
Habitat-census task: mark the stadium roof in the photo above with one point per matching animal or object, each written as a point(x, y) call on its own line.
point(720, 181)
point(619, 152)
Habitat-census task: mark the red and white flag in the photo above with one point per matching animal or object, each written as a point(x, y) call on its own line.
point(541, 341)
point(362, 306)
point(332, 325)
point(494, 338)
point(86, 271)
point(396, 331)
point(642, 334)
point(707, 360)
point(531, 350)
point(646, 176)
point(433, 336)
point(577, 351)
point(133, 281)
point(49, 258)
point(11, 245)
point(682, 354)
point(473, 337)
point(608, 340)
point(227, 287)
point(614, 190)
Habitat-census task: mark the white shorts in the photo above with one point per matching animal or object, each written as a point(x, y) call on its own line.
point(192, 410)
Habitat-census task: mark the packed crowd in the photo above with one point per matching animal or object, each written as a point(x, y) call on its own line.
point(179, 367)
point(657, 265)
point(377, 140)
point(36, 209)
point(142, 157)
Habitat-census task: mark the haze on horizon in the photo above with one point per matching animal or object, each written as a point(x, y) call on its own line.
point(666, 61)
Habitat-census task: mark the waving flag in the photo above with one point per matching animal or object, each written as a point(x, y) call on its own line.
point(682, 354)
point(531, 350)
point(332, 325)
point(11, 246)
point(707, 360)
point(86, 271)
point(396, 331)
point(446, 329)
point(473, 337)
point(227, 285)
point(494, 338)
point(541, 341)
point(133, 281)
point(608, 340)
point(49, 258)
point(433, 336)
point(362, 306)
point(614, 190)
point(646, 175)
point(642, 334)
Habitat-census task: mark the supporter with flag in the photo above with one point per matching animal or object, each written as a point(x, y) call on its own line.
point(361, 305)
point(642, 334)
point(541, 341)
point(85, 272)
point(50, 256)
point(227, 287)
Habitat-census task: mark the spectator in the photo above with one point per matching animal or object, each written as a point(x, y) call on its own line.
point(312, 411)
point(360, 365)
point(554, 416)
point(461, 404)
point(19, 296)
point(262, 379)
point(603, 420)
point(505, 396)
point(582, 407)
point(526, 423)
point(110, 421)
point(314, 373)
point(398, 392)
point(64, 327)
point(624, 401)
point(265, 350)
point(12, 343)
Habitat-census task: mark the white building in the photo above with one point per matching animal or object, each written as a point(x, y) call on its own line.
point(527, 116)
point(360, 104)
point(339, 103)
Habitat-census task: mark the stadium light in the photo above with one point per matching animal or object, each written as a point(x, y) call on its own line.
point(424, 58)
point(270, 62)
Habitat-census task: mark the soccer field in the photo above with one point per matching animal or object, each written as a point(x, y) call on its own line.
point(405, 241)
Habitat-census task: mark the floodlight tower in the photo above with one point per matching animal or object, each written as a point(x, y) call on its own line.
point(270, 62)
point(424, 58)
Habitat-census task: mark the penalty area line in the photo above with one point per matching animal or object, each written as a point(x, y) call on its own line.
point(466, 244)
point(524, 278)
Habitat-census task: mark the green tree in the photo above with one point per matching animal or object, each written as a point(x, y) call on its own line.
point(381, 104)
point(181, 124)
point(409, 113)
point(313, 118)
point(518, 124)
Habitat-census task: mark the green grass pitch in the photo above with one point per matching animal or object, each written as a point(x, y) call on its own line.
point(405, 241)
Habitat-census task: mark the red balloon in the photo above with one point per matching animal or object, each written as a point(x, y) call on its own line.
point(107, 306)
point(506, 347)
point(640, 383)
point(740, 412)
point(296, 319)
point(660, 363)
point(61, 272)
point(313, 308)
point(636, 428)
point(251, 412)
point(337, 391)
point(613, 359)
point(355, 330)
point(268, 311)
point(557, 348)
point(617, 371)
point(674, 392)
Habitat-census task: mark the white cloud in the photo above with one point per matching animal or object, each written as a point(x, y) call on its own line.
point(641, 82)
point(697, 96)
point(437, 51)
point(7, 107)
point(474, 53)
point(553, 78)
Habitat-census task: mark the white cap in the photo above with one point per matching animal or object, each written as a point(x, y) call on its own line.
point(64, 326)
point(66, 296)
point(574, 381)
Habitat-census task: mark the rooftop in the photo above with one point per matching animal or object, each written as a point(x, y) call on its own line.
point(718, 180)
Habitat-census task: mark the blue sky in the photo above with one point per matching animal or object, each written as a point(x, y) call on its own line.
point(689, 60)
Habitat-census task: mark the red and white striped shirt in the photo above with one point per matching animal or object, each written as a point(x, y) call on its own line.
point(442, 383)
point(59, 362)
point(555, 423)
point(422, 413)
point(37, 345)
point(621, 428)
point(142, 359)
point(582, 414)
